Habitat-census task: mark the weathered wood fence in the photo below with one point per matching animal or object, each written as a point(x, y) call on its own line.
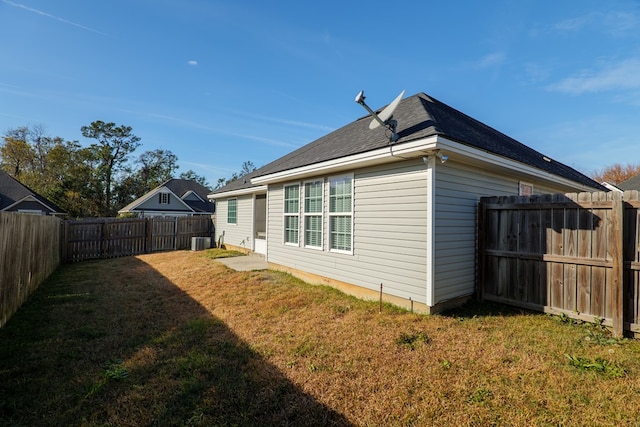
point(577, 254)
point(110, 238)
point(29, 253)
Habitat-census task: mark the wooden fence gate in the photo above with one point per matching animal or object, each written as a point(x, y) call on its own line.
point(577, 254)
point(110, 237)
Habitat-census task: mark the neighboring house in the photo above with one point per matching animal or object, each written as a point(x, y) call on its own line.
point(632, 183)
point(356, 211)
point(175, 197)
point(611, 187)
point(16, 197)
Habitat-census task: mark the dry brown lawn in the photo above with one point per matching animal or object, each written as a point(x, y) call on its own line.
point(179, 339)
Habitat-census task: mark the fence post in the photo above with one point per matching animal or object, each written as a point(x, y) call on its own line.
point(617, 275)
point(148, 225)
point(480, 279)
point(64, 239)
point(175, 233)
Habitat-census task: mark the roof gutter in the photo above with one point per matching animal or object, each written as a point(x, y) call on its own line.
point(486, 157)
point(241, 192)
point(407, 150)
point(392, 152)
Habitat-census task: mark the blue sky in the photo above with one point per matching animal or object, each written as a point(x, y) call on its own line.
point(222, 82)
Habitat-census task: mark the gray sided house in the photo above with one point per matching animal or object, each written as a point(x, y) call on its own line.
point(354, 210)
point(175, 197)
point(16, 197)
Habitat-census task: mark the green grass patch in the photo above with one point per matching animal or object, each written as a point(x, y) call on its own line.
point(412, 339)
point(606, 367)
point(222, 253)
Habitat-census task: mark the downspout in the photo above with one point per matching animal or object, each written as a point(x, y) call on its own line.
point(430, 163)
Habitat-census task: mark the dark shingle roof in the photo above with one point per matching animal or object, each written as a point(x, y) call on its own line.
point(632, 183)
point(11, 191)
point(419, 116)
point(182, 186)
point(240, 183)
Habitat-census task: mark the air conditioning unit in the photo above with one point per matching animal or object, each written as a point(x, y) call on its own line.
point(200, 243)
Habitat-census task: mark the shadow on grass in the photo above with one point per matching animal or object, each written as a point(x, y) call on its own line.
point(474, 308)
point(114, 342)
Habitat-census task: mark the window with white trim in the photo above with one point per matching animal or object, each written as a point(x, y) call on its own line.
point(291, 214)
point(313, 214)
point(341, 213)
point(232, 211)
point(164, 198)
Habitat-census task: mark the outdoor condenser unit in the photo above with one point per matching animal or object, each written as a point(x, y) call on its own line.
point(200, 243)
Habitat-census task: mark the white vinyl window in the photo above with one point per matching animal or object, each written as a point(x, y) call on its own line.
point(341, 214)
point(291, 214)
point(164, 198)
point(232, 211)
point(313, 214)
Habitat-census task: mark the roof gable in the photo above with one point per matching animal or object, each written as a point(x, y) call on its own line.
point(12, 192)
point(183, 186)
point(188, 196)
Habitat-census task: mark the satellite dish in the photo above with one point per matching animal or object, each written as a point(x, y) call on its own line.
point(383, 119)
point(387, 113)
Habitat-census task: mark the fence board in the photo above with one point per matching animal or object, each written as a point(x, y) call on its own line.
point(30, 252)
point(564, 254)
point(109, 237)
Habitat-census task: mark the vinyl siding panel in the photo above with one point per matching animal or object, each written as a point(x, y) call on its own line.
point(153, 204)
point(238, 234)
point(458, 188)
point(389, 233)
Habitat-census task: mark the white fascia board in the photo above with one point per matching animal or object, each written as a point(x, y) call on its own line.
point(451, 147)
point(242, 192)
point(131, 207)
point(386, 154)
point(29, 198)
point(413, 149)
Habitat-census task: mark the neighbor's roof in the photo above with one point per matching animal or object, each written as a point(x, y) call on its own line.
point(179, 187)
point(12, 191)
point(182, 186)
point(418, 116)
point(632, 183)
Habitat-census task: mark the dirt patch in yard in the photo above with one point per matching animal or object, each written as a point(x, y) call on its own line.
point(179, 339)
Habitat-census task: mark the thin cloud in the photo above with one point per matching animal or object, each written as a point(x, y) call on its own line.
point(491, 60)
point(575, 24)
point(57, 18)
point(208, 128)
point(624, 75)
point(614, 23)
point(192, 63)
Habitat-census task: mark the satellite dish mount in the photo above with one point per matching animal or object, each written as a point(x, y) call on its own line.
point(385, 118)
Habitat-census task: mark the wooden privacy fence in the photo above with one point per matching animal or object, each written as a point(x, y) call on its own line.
point(110, 238)
point(577, 254)
point(29, 253)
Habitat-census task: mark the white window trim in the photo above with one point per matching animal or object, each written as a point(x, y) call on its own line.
point(164, 198)
point(305, 215)
point(290, 214)
point(336, 178)
point(227, 219)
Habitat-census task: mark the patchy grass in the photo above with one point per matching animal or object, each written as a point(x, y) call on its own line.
point(222, 253)
point(178, 339)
